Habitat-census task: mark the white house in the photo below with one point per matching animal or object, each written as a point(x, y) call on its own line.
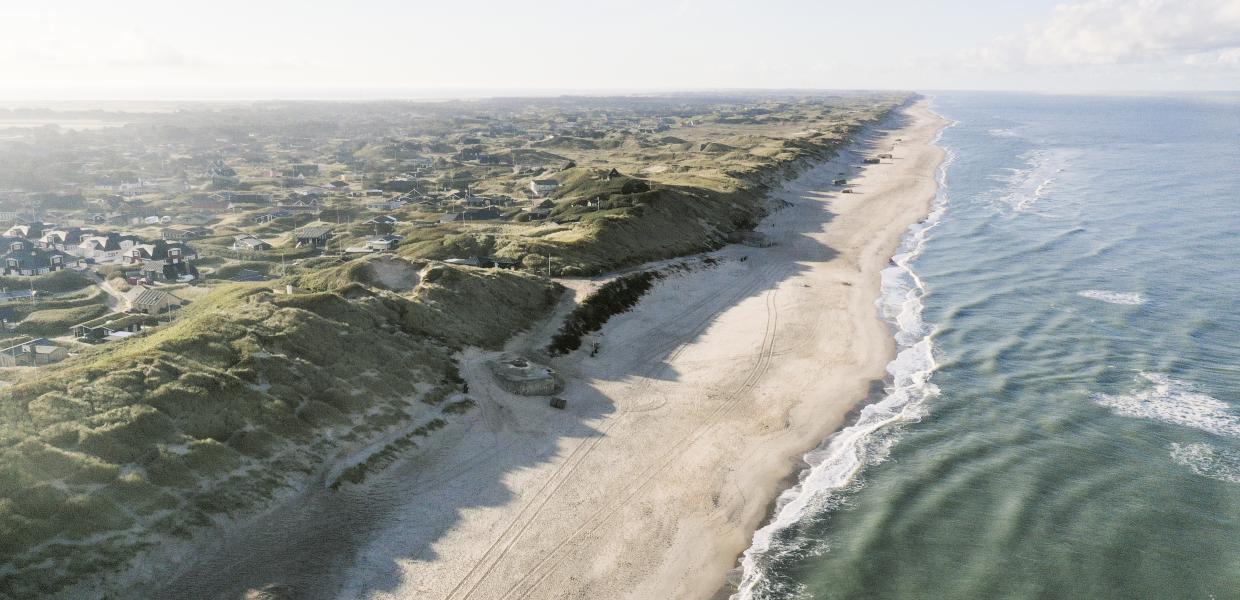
point(542, 187)
point(103, 248)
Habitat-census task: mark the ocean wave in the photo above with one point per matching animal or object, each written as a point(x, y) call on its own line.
point(1024, 187)
point(997, 132)
point(834, 465)
point(1175, 402)
point(1208, 461)
point(1126, 298)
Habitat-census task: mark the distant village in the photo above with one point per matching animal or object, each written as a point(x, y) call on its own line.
point(145, 216)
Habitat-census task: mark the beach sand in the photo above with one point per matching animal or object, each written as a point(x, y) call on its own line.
point(681, 432)
point(677, 437)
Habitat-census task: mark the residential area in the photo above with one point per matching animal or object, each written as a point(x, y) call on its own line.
point(111, 230)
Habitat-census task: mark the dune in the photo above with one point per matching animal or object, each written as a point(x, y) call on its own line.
point(677, 436)
point(680, 433)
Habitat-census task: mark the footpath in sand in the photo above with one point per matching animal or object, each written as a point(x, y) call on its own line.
point(679, 434)
point(677, 437)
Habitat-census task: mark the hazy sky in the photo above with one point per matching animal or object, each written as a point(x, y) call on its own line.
point(162, 49)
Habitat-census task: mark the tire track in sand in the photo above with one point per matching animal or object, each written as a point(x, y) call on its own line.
point(513, 532)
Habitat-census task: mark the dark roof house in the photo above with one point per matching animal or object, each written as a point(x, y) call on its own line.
point(27, 259)
point(315, 235)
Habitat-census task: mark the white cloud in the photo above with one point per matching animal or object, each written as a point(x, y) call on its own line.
point(1219, 58)
point(1116, 32)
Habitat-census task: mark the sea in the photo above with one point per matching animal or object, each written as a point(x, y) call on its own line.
point(1063, 418)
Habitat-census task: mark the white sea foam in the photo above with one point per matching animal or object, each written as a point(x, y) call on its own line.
point(1001, 132)
point(1025, 187)
point(834, 465)
point(1176, 402)
point(1208, 461)
point(1126, 298)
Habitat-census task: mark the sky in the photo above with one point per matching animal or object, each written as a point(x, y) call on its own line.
point(231, 49)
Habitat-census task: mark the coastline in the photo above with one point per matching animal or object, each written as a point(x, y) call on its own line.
point(677, 439)
point(833, 466)
point(680, 437)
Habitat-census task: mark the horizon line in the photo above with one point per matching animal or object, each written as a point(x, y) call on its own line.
point(460, 94)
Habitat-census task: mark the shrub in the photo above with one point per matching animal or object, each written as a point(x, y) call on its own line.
point(615, 297)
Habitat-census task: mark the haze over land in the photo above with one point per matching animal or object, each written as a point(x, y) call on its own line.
point(146, 49)
point(232, 305)
point(618, 300)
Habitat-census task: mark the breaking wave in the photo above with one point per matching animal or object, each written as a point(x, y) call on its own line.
point(833, 466)
point(1126, 298)
point(1025, 187)
point(1208, 461)
point(1175, 402)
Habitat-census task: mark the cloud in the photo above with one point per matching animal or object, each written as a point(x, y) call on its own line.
point(1121, 32)
point(1229, 57)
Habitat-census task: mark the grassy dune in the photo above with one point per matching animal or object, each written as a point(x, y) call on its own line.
point(244, 395)
point(55, 282)
point(674, 195)
point(248, 392)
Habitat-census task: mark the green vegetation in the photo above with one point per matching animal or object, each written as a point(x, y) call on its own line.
point(695, 202)
point(248, 391)
point(58, 321)
point(614, 297)
point(216, 411)
point(56, 282)
point(15, 312)
point(385, 456)
point(231, 270)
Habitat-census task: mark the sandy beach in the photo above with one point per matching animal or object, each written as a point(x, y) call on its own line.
point(676, 439)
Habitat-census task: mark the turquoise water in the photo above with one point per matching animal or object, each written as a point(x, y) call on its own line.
point(1065, 417)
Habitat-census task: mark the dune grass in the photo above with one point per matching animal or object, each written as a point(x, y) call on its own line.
point(216, 411)
point(56, 282)
point(58, 321)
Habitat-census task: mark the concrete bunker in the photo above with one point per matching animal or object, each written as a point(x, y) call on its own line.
point(519, 375)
